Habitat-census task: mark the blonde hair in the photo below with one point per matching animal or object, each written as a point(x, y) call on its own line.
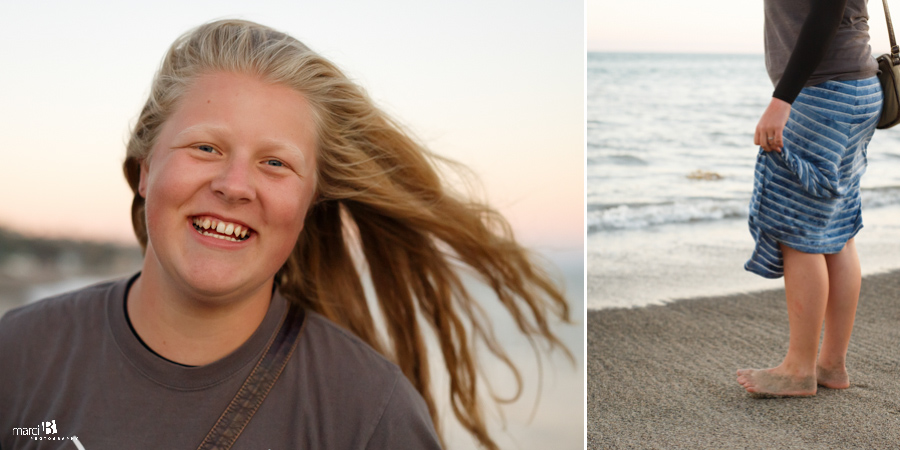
point(379, 191)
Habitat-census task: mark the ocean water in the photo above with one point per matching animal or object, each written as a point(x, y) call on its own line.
point(670, 158)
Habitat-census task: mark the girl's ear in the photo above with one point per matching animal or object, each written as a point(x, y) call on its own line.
point(142, 184)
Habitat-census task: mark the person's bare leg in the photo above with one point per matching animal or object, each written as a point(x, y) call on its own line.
point(844, 282)
point(806, 288)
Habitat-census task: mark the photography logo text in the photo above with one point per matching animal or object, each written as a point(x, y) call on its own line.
point(43, 432)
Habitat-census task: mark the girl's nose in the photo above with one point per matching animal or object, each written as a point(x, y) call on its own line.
point(234, 183)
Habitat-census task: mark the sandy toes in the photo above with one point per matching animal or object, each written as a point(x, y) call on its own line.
point(832, 378)
point(763, 382)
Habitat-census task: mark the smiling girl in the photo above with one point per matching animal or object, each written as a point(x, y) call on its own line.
point(263, 180)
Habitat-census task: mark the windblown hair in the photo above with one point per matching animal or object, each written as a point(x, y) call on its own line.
point(379, 194)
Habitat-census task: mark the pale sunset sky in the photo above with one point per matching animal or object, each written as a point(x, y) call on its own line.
point(497, 85)
point(694, 26)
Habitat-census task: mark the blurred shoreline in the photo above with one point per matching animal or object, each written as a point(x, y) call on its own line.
point(661, 264)
point(35, 267)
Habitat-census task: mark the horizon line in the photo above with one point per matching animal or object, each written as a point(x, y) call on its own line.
point(677, 52)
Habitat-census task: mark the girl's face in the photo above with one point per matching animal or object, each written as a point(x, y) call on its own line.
point(228, 184)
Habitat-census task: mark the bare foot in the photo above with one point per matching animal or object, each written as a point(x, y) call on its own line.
point(768, 382)
point(836, 378)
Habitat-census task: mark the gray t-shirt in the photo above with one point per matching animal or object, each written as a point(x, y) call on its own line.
point(72, 367)
point(849, 56)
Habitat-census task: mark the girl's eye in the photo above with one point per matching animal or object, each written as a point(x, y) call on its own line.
point(275, 163)
point(206, 148)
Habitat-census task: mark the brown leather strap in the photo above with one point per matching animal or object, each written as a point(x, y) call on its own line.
point(895, 50)
point(258, 384)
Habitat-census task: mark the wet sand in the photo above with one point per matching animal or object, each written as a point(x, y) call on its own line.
point(664, 376)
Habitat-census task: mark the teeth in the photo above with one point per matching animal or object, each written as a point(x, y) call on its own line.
point(222, 230)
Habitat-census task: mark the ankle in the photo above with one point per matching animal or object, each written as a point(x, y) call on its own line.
point(833, 364)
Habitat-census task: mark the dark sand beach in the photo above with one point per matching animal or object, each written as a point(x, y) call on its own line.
point(663, 377)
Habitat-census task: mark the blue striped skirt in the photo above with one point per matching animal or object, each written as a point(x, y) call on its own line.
point(807, 196)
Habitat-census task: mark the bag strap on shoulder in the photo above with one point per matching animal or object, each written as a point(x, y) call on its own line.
point(895, 50)
point(258, 384)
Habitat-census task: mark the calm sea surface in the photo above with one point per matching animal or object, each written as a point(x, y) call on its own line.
point(670, 153)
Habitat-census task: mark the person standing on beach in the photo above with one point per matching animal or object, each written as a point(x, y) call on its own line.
point(805, 208)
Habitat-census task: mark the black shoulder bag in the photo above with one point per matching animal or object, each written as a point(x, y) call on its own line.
point(889, 75)
point(258, 384)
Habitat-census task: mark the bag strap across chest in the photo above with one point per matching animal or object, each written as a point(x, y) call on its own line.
point(258, 384)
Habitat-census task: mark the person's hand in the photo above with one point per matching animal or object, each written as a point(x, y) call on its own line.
point(771, 125)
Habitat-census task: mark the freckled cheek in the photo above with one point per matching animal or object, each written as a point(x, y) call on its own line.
point(299, 211)
point(292, 209)
point(168, 190)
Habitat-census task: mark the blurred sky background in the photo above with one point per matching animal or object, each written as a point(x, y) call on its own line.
point(497, 85)
point(697, 26)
